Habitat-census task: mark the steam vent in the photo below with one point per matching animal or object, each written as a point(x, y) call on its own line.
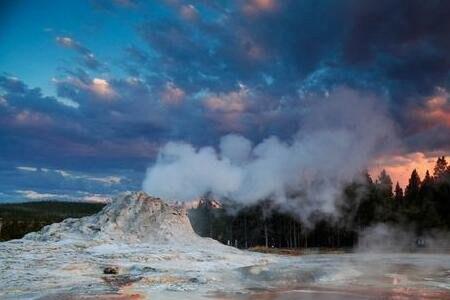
point(132, 218)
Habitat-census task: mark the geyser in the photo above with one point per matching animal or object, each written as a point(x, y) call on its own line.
point(305, 173)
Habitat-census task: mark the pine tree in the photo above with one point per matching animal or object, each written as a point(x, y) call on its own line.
point(427, 206)
point(398, 194)
point(440, 169)
point(413, 187)
point(385, 184)
point(367, 178)
point(442, 191)
point(427, 185)
point(366, 212)
point(383, 197)
point(398, 203)
point(412, 198)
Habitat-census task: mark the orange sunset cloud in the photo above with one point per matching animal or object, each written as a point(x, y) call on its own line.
point(436, 110)
point(399, 167)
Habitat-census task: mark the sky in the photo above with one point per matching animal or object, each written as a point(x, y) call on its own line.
point(91, 90)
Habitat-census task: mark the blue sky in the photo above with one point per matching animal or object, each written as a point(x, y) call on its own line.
point(92, 89)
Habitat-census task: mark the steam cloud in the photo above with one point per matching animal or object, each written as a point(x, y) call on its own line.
point(388, 238)
point(340, 134)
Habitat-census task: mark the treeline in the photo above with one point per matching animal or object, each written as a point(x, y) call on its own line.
point(423, 205)
point(18, 219)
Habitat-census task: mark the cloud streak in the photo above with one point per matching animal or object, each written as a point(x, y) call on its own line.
point(88, 58)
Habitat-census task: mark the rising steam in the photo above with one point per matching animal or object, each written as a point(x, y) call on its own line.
point(339, 136)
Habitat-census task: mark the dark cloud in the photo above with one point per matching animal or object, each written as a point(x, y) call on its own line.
point(195, 71)
point(394, 48)
point(434, 139)
point(281, 52)
point(389, 38)
point(39, 128)
point(406, 41)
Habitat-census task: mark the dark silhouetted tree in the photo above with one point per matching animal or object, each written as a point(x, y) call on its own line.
point(413, 187)
point(384, 197)
point(385, 184)
point(440, 169)
point(412, 198)
point(426, 188)
point(399, 202)
point(428, 209)
point(398, 194)
point(367, 209)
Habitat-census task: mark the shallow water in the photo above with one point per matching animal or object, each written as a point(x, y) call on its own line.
point(349, 294)
point(350, 276)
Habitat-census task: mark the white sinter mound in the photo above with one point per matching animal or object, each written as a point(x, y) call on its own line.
point(132, 218)
point(149, 242)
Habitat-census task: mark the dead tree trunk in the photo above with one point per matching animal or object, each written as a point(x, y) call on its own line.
point(306, 239)
point(295, 235)
point(266, 234)
point(245, 232)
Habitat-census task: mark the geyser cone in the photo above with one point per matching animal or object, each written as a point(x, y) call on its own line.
point(132, 217)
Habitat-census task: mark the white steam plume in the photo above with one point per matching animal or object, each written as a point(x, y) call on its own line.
point(339, 137)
